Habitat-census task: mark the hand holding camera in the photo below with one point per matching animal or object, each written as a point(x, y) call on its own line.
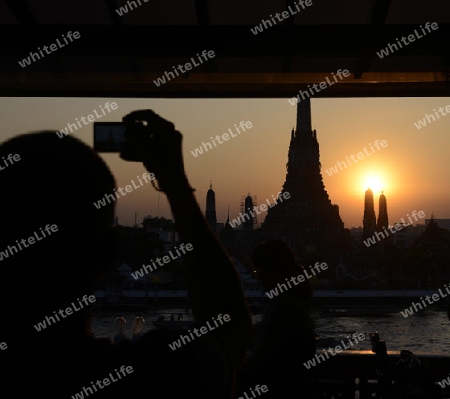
point(146, 137)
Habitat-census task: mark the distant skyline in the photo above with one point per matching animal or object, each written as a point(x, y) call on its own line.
point(411, 168)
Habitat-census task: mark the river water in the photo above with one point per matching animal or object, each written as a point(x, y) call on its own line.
point(424, 333)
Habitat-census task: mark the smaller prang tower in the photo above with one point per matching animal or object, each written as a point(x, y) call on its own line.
point(248, 202)
point(210, 213)
point(369, 220)
point(383, 221)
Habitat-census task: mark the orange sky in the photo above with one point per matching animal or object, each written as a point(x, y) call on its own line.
point(412, 168)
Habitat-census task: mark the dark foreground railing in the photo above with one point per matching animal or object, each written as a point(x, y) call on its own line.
point(380, 374)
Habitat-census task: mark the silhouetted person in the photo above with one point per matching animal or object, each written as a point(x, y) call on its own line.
point(286, 336)
point(55, 183)
point(119, 329)
point(138, 327)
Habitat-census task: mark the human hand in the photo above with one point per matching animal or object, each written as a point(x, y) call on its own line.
point(154, 141)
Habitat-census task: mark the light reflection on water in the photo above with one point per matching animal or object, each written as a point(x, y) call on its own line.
point(428, 332)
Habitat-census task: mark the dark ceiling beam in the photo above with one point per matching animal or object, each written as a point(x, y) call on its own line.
point(202, 14)
point(238, 85)
point(232, 91)
point(233, 41)
point(287, 60)
point(117, 20)
point(379, 12)
point(25, 17)
point(112, 6)
point(377, 17)
point(291, 19)
point(21, 12)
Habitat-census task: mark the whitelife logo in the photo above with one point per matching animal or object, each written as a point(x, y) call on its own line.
point(107, 197)
point(392, 47)
point(444, 382)
point(379, 235)
point(360, 155)
point(285, 14)
point(203, 330)
point(123, 10)
point(106, 381)
point(64, 312)
point(337, 349)
point(11, 159)
point(64, 132)
point(161, 80)
point(31, 240)
point(263, 208)
point(198, 151)
point(30, 59)
point(147, 268)
point(323, 85)
point(434, 298)
point(300, 278)
point(423, 122)
point(259, 390)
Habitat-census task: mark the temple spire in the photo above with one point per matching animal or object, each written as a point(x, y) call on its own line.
point(383, 221)
point(369, 219)
point(304, 116)
point(309, 218)
point(210, 213)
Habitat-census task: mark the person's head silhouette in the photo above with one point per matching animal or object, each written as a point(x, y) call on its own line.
point(274, 262)
point(56, 183)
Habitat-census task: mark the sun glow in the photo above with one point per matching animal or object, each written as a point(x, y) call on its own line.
point(374, 183)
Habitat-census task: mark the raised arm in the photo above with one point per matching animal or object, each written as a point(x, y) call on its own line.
point(214, 285)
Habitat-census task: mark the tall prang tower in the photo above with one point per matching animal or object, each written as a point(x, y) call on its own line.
point(369, 219)
point(383, 220)
point(210, 213)
point(307, 220)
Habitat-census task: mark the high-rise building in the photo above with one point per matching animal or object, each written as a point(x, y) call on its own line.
point(369, 219)
point(307, 220)
point(383, 220)
point(210, 213)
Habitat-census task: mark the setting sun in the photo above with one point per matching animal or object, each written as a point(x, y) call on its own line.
point(374, 183)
